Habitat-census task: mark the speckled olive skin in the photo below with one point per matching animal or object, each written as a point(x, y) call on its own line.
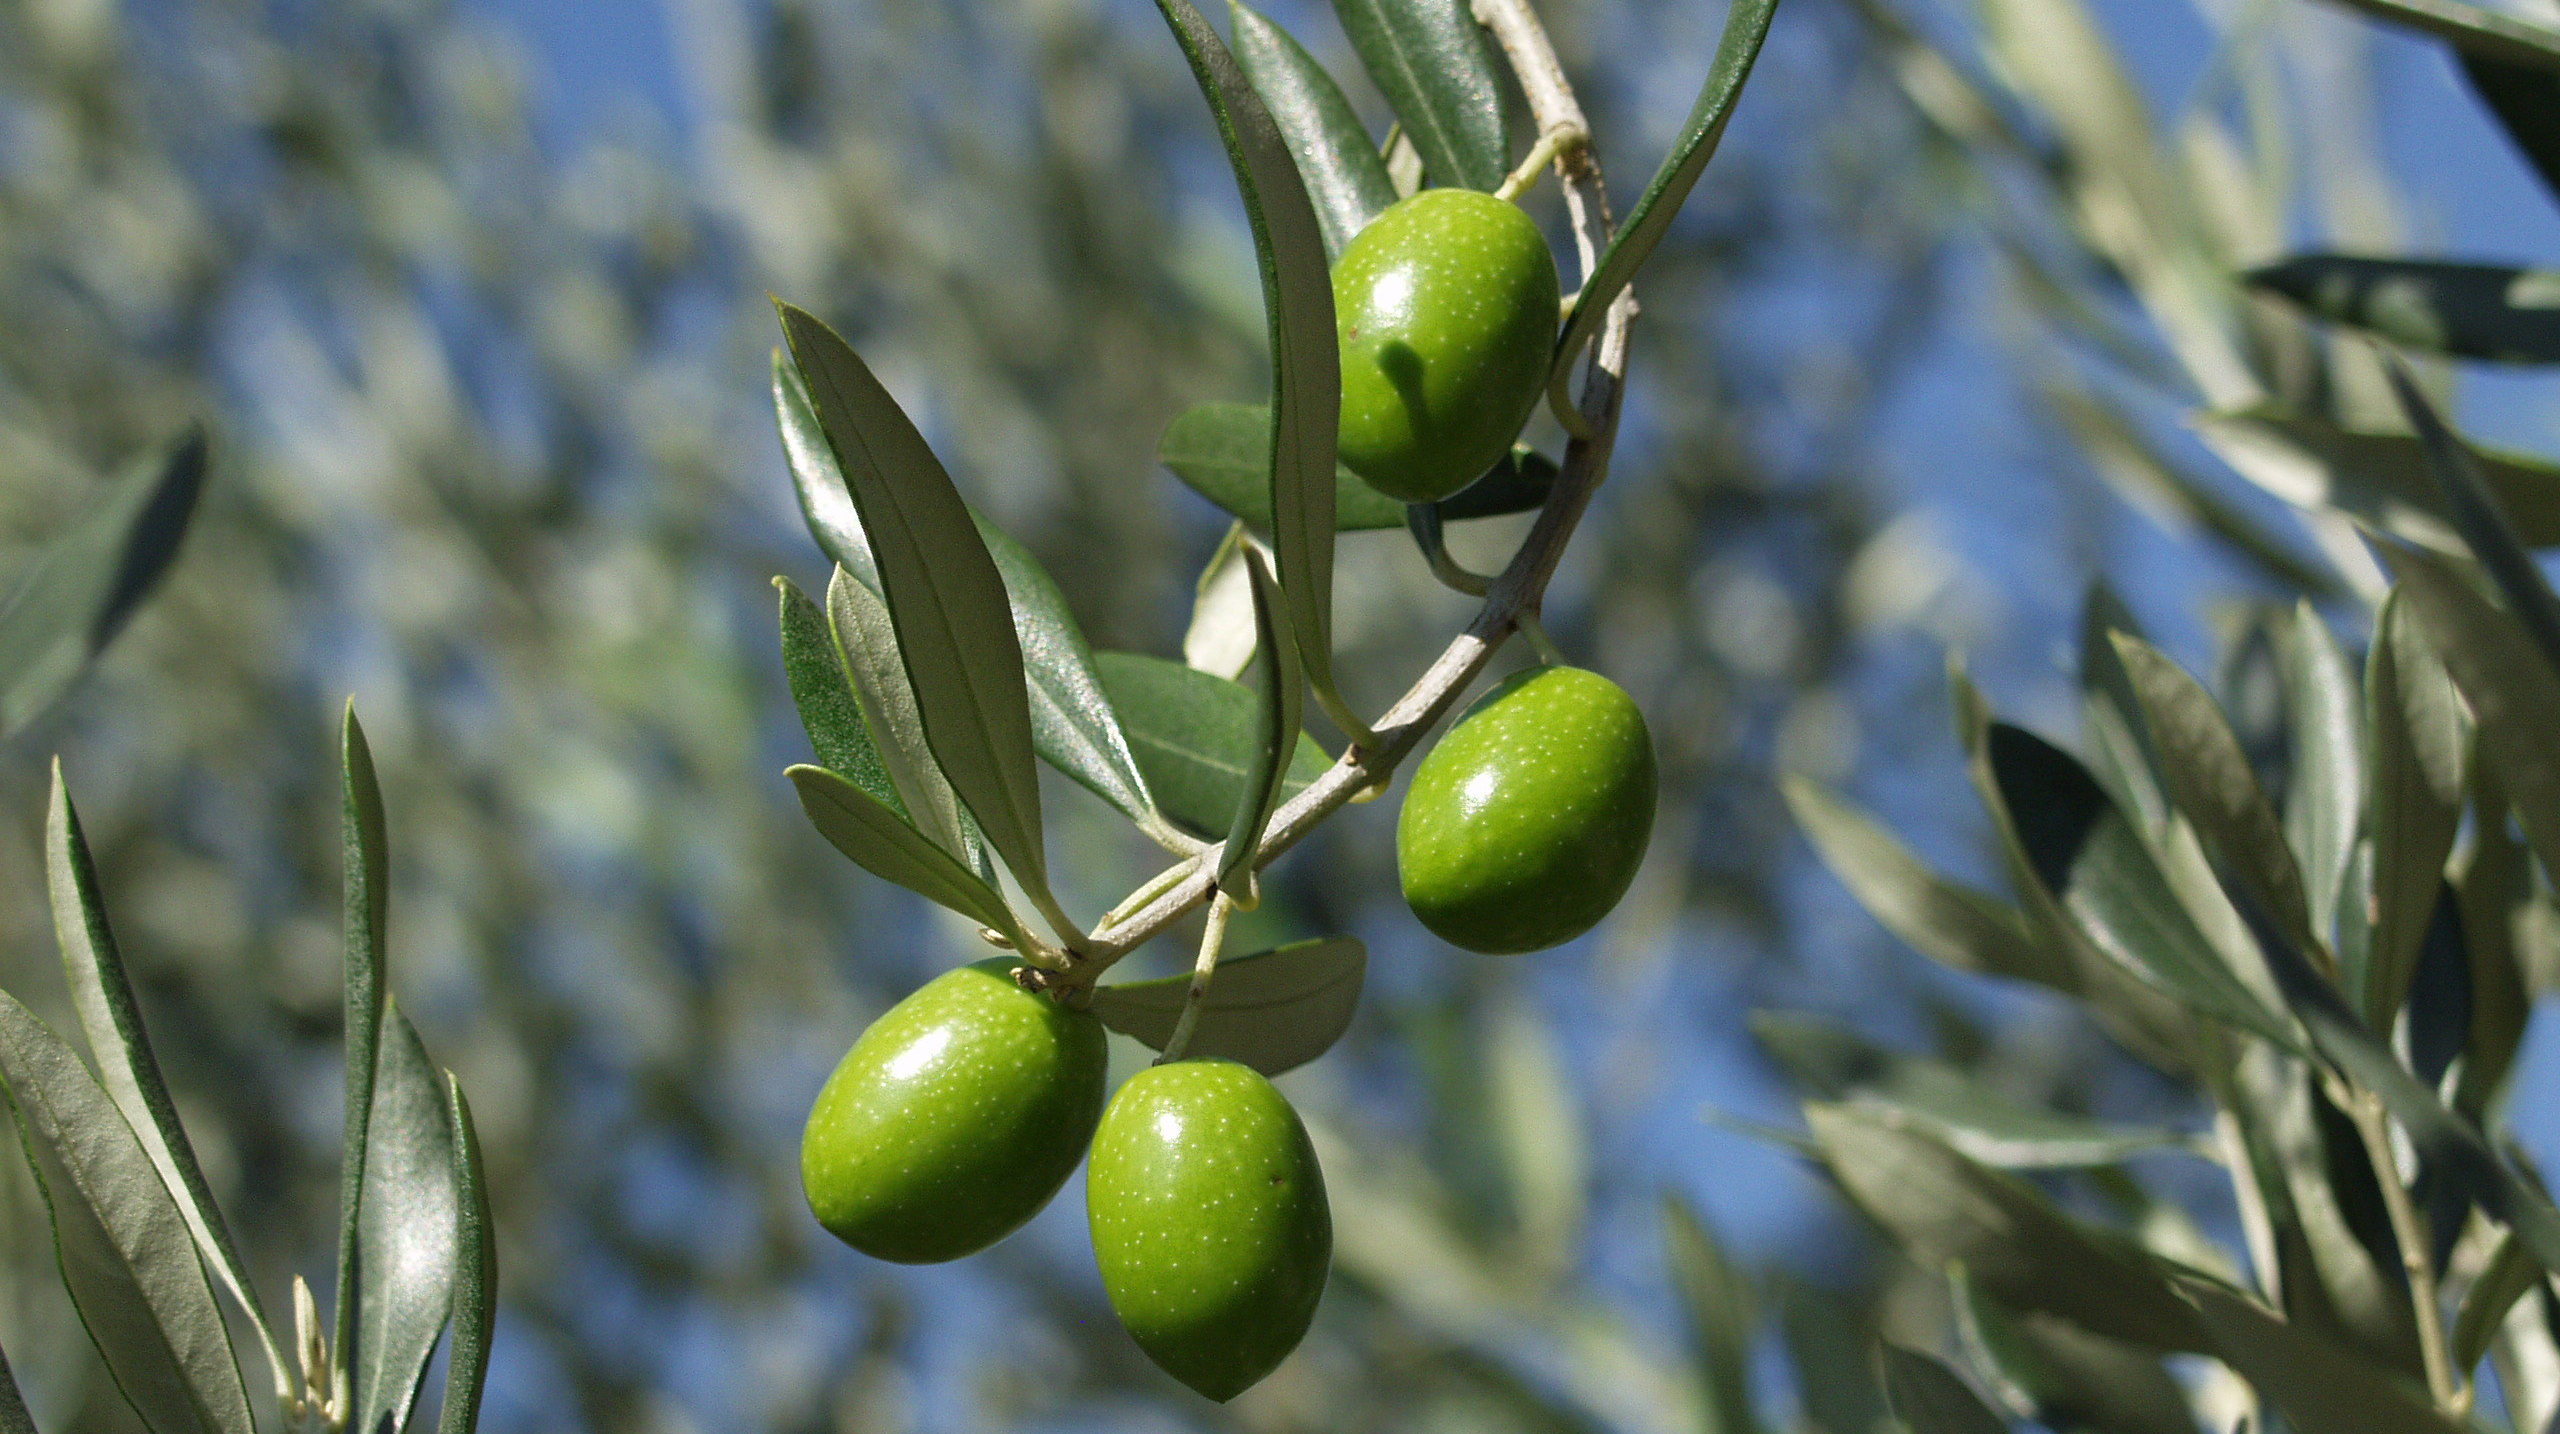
point(954, 1118)
point(1524, 826)
point(1209, 1221)
point(1446, 307)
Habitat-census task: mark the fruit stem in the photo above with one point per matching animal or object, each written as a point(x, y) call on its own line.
point(1550, 149)
point(1536, 634)
point(1212, 941)
point(1423, 521)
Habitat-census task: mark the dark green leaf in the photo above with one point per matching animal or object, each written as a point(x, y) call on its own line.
point(2491, 538)
point(2476, 311)
point(824, 696)
point(126, 1254)
point(475, 1281)
point(1716, 1300)
point(87, 582)
point(2064, 1377)
point(1746, 25)
point(364, 851)
point(2509, 1276)
point(1831, 1344)
point(2526, 100)
point(868, 643)
point(407, 1234)
point(1346, 178)
point(2324, 787)
point(1941, 1206)
point(2513, 694)
point(1946, 921)
point(1435, 68)
point(2111, 716)
point(2473, 30)
point(2318, 1384)
point(1834, 1064)
point(826, 503)
point(880, 842)
point(1306, 358)
point(2418, 754)
point(1928, 1396)
point(2495, 890)
point(1222, 451)
point(14, 1418)
point(1278, 688)
point(2381, 478)
point(1072, 724)
point(112, 1022)
point(1193, 735)
point(1274, 1010)
point(945, 597)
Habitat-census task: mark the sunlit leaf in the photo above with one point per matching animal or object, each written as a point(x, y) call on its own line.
point(364, 852)
point(2509, 1275)
point(1536, 1119)
point(2065, 1377)
point(1715, 1299)
point(126, 1254)
point(87, 582)
point(1946, 921)
point(475, 1283)
point(2324, 788)
point(408, 1232)
point(824, 697)
point(881, 842)
point(1222, 451)
point(1927, 1396)
point(1278, 688)
point(2475, 513)
point(2318, 1384)
point(1436, 68)
point(2381, 478)
point(2513, 694)
point(1345, 176)
point(2473, 30)
point(1274, 1010)
point(2420, 748)
point(868, 643)
point(2477, 311)
point(1193, 733)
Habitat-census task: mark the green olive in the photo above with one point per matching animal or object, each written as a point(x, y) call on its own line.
point(1446, 307)
point(954, 1118)
point(1525, 824)
point(1209, 1222)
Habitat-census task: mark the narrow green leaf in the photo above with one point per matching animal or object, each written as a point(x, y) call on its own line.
point(87, 582)
point(2473, 30)
point(1746, 25)
point(1833, 1064)
point(1435, 67)
point(1946, 921)
point(826, 501)
point(1941, 1206)
point(1306, 358)
point(945, 596)
point(14, 1418)
point(2111, 716)
point(125, 1251)
point(1279, 687)
point(2476, 311)
point(1072, 724)
point(2509, 1276)
point(2513, 694)
point(2495, 890)
point(2318, 1384)
point(868, 643)
point(2491, 538)
point(475, 1283)
point(112, 1022)
point(880, 842)
point(2526, 101)
point(1222, 451)
point(1536, 1118)
point(364, 850)
point(1274, 1010)
point(1930, 1398)
point(1193, 734)
point(2381, 478)
point(2324, 788)
point(1831, 1344)
point(408, 1233)
point(2065, 1377)
point(823, 694)
point(2418, 756)
point(1716, 1300)
point(1346, 178)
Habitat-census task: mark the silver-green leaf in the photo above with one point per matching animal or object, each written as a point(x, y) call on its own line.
point(408, 1232)
point(2419, 755)
point(1279, 687)
point(1274, 1011)
point(1193, 732)
point(1929, 1397)
point(881, 842)
point(1346, 177)
point(2477, 311)
point(364, 850)
point(1435, 68)
point(475, 1282)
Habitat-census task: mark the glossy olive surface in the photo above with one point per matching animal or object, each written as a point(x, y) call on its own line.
point(1209, 1222)
point(1446, 307)
point(1525, 824)
point(954, 1118)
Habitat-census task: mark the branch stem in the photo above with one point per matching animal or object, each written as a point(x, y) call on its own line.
point(2409, 1229)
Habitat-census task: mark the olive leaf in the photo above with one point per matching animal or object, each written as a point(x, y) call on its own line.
point(2526, 101)
point(2418, 752)
point(2318, 1384)
point(2063, 1376)
point(1715, 1299)
point(2324, 792)
point(126, 1254)
point(1222, 451)
point(945, 596)
point(14, 1418)
point(2475, 515)
point(408, 1232)
point(1946, 921)
point(475, 1266)
point(881, 842)
point(1279, 686)
point(1194, 733)
point(868, 643)
point(1346, 177)
point(2513, 694)
point(1746, 26)
point(1531, 1109)
point(2495, 889)
point(1431, 62)
point(2473, 30)
point(363, 848)
point(112, 1022)
point(1274, 1011)
point(87, 582)
point(2477, 311)
point(1930, 1398)
point(2380, 478)
point(824, 697)
point(2508, 1276)
point(1306, 359)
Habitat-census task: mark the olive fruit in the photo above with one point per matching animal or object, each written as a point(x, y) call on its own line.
point(1209, 1222)
point(1525, 824)
point(954, 1118)
point(1446, 307)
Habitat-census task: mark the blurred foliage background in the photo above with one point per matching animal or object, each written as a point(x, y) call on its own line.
point(495, 458)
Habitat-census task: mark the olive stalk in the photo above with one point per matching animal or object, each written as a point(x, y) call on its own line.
point(1212, 941)
point(2409, 1228)
point(1367, 766)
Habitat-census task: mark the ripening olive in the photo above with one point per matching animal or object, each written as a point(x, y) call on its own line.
point(1209, 1222)
point(1446, 307)
point(1525, 824)
point(954, 1118)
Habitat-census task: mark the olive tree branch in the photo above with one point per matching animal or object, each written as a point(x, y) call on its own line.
point(2409, 1228)
point(1522, 586)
